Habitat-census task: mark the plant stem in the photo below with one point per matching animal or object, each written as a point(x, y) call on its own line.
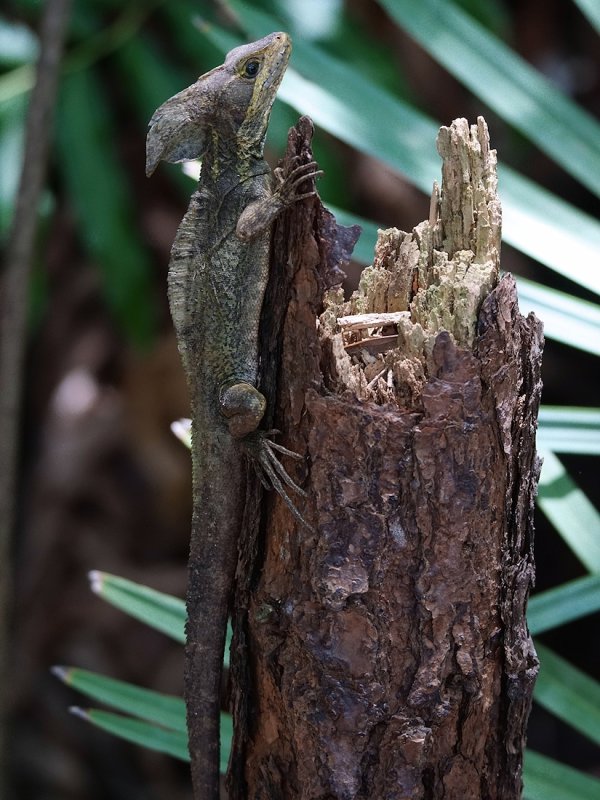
point(13, 318)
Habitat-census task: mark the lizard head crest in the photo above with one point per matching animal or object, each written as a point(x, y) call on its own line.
point(233, 100)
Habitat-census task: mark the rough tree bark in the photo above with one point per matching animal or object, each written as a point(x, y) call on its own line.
point(386, 654)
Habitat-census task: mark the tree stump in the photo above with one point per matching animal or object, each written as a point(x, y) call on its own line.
point(385, 653)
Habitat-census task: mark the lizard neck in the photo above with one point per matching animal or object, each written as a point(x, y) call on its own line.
point(226, 164)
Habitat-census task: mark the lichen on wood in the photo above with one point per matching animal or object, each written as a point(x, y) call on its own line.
point(439, 275)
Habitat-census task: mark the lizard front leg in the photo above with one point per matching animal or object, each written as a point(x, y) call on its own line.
point(241, 403)
point(259, 215)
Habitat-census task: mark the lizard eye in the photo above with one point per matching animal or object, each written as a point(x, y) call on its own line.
point(251, 68)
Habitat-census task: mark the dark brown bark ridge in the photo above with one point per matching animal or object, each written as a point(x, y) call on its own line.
point(387, 654)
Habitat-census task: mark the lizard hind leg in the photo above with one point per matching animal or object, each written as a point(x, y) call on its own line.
point(243, 406)
point(270, 470)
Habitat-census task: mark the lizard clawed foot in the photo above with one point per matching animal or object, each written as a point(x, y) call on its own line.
point(271, 472)
point(289, 182)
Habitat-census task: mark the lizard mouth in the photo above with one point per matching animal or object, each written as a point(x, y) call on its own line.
point(281, 50)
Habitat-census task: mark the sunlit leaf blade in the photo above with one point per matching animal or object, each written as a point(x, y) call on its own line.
point(591, 9)
point(547, 779)
point(565, 429)
point(506, 82)
point(173, 743)
point(570, 512)
point(563, 604)
point(568, 693)
point(161, 709)
point(158, 610)
point(18, 43)
point(546, 228)
point(16, 83)
point(349, 106)
point(346, 104)
point(100, 194)
point(567, 319)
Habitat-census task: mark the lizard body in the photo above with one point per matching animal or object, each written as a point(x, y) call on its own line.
point(217, 277)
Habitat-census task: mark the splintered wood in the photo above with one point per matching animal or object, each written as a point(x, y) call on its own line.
point(435, 278)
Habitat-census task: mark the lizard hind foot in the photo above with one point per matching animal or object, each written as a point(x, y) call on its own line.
point(271, 472)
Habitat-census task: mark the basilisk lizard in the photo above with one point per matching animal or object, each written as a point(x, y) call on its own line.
point(217, 277)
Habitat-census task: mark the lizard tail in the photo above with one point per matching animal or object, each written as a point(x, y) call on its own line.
point(219, 479)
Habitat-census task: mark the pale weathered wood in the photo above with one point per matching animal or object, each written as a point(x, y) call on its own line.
point(386, 653)
point(357, 322)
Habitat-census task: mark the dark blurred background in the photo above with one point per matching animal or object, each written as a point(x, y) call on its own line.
point(103, 483)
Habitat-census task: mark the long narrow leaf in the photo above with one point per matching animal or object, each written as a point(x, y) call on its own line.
point(226, 733)
point(94, 175)
point(149, 79)
point(564, 429)
point(350, 106)
point(18, 44)
point(161, 709)
point(546, 228)
point(563, 604)
point(506, 82)
point(161, 611)
point(566, 318)
point(12, 134)
point(152, 77)
point(154, 737)
point(568, 693)
point(547, 779)
point(570, 512)
point(91, 49)
point(173, 743)
point(591, 9)
point(158, 610)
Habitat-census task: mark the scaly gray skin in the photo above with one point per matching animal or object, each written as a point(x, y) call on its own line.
point(217, 278)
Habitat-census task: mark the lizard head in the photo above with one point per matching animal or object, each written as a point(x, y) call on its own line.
point(232, 101)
